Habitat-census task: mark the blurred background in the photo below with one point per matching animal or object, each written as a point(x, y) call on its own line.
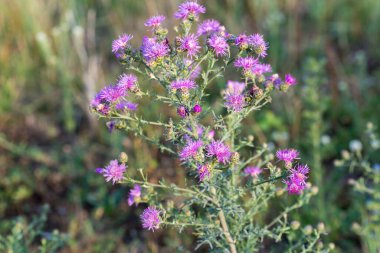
point(55, 55)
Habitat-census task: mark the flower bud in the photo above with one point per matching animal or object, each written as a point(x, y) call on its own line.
point(123, 157)
point(314, 190)
point(197, 108)
point(181, 111)
point(308, 230)
point(295, 225)
point(331, 246)
point(321, 227)
point(235, 158)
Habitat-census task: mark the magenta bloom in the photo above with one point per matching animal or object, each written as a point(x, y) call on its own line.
point(154, 21)
point(182, 111)
point(219, 44)
point(234, 96)
point(134, 195)
point(245, 63)
point(258, 43)
point(127, 81)
point(241, 40)
point(287, 155)
point(208, 27)
point(296, 181)
point(110, 94)
point(219, 150)
point(120, 44)
point(203, 172)
point(190, 150)
point(113, 172)
point(184, 84)
point(197, 108)
point(253, 171)
point(151, 49)
point(189, 10)
point(290, 80)
point(260, 69)
point(190, 45)
point(150, 218)
point(125, 105)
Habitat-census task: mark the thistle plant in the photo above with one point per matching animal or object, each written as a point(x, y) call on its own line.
point(230, 179)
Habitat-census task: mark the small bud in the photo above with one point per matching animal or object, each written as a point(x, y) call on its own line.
point(314, 190)
point(197, 108)
point(331, 246)
point(185, 95)
point(321, 227)
point(123, 157)
point(235, 158)
point(295, 225)
point(284, 87)
point(280, 192)
point(251, 138)
point(182, 112)
point(345, 154)
point(320, 245)
point(308, 230)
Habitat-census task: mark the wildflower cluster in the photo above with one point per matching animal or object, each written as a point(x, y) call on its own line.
point(218, 161)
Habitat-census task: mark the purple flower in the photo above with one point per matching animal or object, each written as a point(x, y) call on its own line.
point(190, 150)
point(111, 125)
point(109, 94)
point(152, 50)
point(184, 84)
point(290, 80)
point(134, 195)
point(208, 27)
point(258, 43)
point(125, 105)
point(189, 10)
point(203, 171)
point(154, 21)
point(114, 171)
point(219, 44)
point(296, 181)
point(189, 44)
point(150, 218)
point(127, 81)
point(287, 155)
point(182, 111)
point(253, 171)
point(241, 41)
point(219, 150)
point(260, 69)
point(234, 97)
point(247, 63)
point(120, 44)
point(211, 134)
point(197, 108)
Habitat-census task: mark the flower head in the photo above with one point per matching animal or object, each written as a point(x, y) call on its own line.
point(257, 42)
point(287, 155)
point(134, 195)
point(126, 105)
point(296, 181)
point(190, 150)
point(150, 218)
point(259, 69)
point(242, 41)
point(120, 44)
point(219, 150)
point(253, 171)
point(197, 108)
point(114, 171)
point(218, 44)
point(208, 27)
point(189, 10)
point(154, 21)
point(152, 49)
point(182, 111)
point(184, 84)
point(246, 63)
point(203, 171)
point(290, 80)
point(234, 97)
point(127, 81)
point(189, 44)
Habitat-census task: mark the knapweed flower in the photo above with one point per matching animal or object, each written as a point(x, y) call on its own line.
point(111, 93)
point(154, 21)
point(151, 218)
point(184, 84)
point(203, 171)
point(120, 44)
point(234, 97)
point(182, 111)
point(296, 181)
point(127, 81)
point(287, 155)
point(257, 42)
point(197, 108)
point(190, 150)
point(113, 172)
point(125, 105)
point(290, 80)
point(153, 50)
point(253, 171)
point(208, 27)
point(242, 41)
point(259, 69)
point(189, 10)
point(134, 195)
point(219, 150)
point(246, 63)
point(189, 44)
point(218, 44)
